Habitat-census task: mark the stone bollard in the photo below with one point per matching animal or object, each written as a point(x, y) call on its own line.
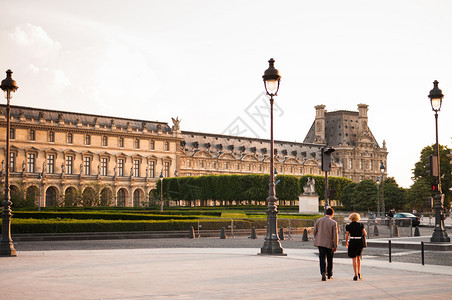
point(395, 231)
point(416, 231)
point(253, 233)
point(223, 234)
point(305, 237)
point(281, 234)
point(376, 232)
point(191, 233)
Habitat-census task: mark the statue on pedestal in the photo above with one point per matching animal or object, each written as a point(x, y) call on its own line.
point(309, 188)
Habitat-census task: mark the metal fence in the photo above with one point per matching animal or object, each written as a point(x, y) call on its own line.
point(294, 228)
point(383, 228)
point(291, 228)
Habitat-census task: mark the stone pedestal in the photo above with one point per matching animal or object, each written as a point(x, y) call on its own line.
point(308, 204)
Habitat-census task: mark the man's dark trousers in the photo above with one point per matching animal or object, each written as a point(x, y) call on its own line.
point(328, 253)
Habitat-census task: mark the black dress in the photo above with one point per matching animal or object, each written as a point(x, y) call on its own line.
point(355, 246)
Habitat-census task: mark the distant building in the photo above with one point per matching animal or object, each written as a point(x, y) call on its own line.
point(357, 156)
point(348, 133)
point(56, 155)
point(207, 154)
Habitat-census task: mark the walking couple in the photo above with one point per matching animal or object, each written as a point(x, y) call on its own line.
point(326, 239)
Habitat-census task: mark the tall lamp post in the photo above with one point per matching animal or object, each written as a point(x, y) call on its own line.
point(272, 245)
point(382, 170)
point(378, 197)
point(161, 191)
point(9, 86)
point(439, 234)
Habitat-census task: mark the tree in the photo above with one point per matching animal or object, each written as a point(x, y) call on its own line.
point(347, 195)
point(418, 194)
point(363, 195)
point(420, 172)
point(394, 196)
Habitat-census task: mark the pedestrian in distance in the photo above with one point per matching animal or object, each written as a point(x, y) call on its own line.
point(325, 238)
point(355, 233)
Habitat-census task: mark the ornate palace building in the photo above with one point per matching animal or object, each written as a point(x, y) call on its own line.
point(348, 133)
point(57, 155)
point(357, 156)
point(207, 154)
point(62, 153)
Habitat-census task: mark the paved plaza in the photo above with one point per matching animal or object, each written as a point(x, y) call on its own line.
point(210, 273)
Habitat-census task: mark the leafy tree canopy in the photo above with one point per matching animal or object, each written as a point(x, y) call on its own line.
point(420, 173)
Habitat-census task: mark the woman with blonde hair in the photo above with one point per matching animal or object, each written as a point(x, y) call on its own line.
point(354, 241)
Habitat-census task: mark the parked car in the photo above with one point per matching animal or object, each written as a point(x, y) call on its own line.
point(402, 219)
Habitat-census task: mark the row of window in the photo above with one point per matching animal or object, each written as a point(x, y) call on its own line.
point(312, 171)
point(363, 164)
point(68, 167)
point(260, 167)
point(87, 139)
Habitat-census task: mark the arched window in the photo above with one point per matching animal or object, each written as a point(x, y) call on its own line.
point(122, 197)
point(87, 139)
point(51, 197)
point(136, 198)
point(137, 143)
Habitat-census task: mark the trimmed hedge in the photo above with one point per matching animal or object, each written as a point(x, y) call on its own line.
point(244, 187)
point(99, 215)
point(71, 226)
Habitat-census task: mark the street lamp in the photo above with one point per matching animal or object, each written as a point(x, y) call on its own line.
point(272, 245)
point(382, 170)
point(378, 196)
point(40, 190)
point(9, 86)
point(161, 191)
point(439, 234)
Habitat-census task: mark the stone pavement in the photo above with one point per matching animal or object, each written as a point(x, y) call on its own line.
point(210, 273)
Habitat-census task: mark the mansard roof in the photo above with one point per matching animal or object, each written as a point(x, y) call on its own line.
point(341, 128)
point(241, 147)
point(73, 118)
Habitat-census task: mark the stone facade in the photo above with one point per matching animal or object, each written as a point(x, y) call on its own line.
point(55, 153)
point(348, 133)
point(207, 154)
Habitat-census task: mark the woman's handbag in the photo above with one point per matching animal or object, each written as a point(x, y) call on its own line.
point(363, 239)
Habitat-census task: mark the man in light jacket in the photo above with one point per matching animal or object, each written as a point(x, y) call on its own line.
point(325, 238)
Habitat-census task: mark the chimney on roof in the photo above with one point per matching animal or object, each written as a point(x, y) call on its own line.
point(362, 117)
point(319, 124)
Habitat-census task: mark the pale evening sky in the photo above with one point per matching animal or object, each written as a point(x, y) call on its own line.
point(203, 61)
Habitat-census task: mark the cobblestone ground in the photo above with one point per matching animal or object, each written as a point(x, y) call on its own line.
point(398, 255)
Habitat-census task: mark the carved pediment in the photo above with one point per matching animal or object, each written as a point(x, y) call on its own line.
point(202, 154)
point(226, 156)
point(104, 153)
point(311, 162)
point(250, 157)
point(291, 161)
point(88, 152)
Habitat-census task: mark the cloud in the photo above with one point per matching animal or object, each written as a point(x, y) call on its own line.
point(32, 35)
point(32, 44)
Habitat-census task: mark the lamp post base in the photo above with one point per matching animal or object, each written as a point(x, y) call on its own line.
point(272, 246)
point(7, 249)
point(439, 236)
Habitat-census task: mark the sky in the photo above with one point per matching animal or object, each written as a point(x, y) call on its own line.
point(203, 61)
